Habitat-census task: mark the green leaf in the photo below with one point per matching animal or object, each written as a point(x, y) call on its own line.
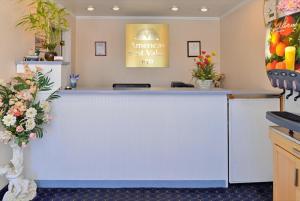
point(39, 132)
point(44, 82)
point(20, 87)
point(53, 96)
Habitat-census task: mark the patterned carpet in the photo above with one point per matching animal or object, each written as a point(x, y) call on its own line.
point(241, 192)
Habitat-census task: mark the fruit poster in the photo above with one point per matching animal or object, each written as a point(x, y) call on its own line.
point(283, 44)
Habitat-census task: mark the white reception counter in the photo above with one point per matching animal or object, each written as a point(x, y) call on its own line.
point(134, 138)
point(148, 138)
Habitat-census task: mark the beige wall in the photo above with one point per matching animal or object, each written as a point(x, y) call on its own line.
point(242, 47)
point(72, 47)
point(14, 42)
point(103, 71)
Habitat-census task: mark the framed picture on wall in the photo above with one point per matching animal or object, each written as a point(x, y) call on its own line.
point(100, 48)
point(193, 48)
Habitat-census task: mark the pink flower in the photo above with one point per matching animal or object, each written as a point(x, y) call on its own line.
point(25, 95)
point(19, 129)
point(39, 69)
point(203, 52)
point(32, 136)
point(33, 89)
point(17, 113)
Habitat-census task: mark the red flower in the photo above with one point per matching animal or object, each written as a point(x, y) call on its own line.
point(203, 52)
point(289, 20)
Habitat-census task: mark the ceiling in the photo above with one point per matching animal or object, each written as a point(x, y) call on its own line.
point(187, 8)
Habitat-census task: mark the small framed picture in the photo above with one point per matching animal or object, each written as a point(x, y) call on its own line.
point(100, 48)
point(193, 48)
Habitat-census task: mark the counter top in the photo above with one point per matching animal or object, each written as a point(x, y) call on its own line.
point(252, 94)
point(153, 90)
point(44, 62)
point(184, 91)
point(284, 132)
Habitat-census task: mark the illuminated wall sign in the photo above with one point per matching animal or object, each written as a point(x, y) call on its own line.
point(147, 45)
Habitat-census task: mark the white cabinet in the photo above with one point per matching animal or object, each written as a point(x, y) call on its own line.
point(250, 150)
point(58, 71)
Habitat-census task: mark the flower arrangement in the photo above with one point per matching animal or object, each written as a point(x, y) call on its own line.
point(21, 114)
point(205, 67)
point(288, 6)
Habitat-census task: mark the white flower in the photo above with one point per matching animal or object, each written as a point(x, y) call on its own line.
point(9, 120)
point(30, 124)
point(5, 137)
point(45, 106)
point(2, 83)
point(31, 113)
point(11, 101)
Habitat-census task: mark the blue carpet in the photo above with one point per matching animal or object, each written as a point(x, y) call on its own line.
point(237, 192)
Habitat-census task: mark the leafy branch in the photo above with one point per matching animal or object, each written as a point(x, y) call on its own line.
point(53, 96)
point(43, 82)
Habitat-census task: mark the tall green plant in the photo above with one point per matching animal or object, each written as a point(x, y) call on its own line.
point(48, 20)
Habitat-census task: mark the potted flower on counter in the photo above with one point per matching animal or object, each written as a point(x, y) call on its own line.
point(48, 20)
point(204, 73)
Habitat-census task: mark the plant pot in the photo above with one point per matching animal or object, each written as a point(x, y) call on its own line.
point(49, 56)
point(204, 84)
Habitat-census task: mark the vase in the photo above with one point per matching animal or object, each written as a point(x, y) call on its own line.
point(49, 56)
point(205, 84)
point(73, 83)
point(19, 188)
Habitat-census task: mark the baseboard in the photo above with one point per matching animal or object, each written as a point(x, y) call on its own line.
point(132, 184)
point(3, 191)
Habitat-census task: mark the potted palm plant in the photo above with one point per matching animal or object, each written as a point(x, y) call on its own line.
point(48, 20)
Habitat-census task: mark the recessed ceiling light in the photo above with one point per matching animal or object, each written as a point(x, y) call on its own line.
point(204, 9)
point(174, 8)
point(90, 8)
point(116, 8)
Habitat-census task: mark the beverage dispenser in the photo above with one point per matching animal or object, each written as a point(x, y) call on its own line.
point(283, 65)
point(283, 54)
